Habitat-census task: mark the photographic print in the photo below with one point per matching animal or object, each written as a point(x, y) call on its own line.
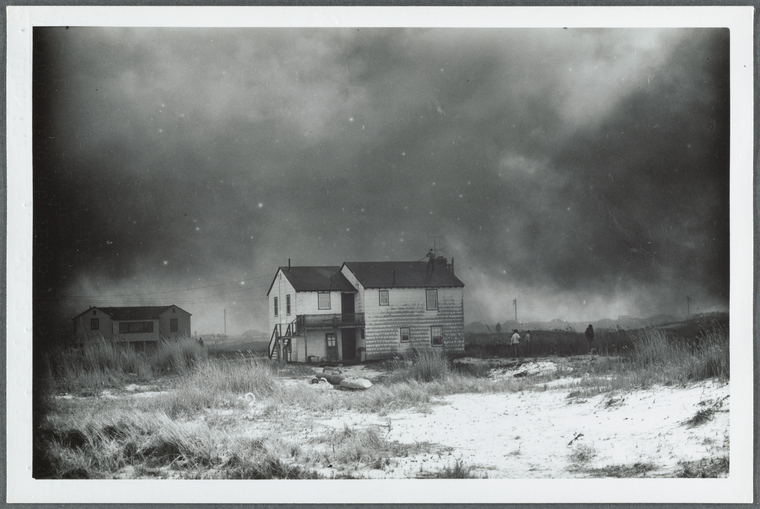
point(423, 255)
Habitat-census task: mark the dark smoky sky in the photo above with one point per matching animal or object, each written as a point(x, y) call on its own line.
point(583, 172)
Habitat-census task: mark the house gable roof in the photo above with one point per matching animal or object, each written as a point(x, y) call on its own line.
point(402, 275)
point(315, 279)
point(134, 312)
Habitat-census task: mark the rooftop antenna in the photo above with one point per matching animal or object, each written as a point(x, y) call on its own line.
point(435, 245)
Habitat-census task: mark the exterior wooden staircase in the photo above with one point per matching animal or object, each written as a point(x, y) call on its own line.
point(281, 341)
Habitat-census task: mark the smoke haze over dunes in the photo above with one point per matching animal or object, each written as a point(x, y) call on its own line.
point(583, 172)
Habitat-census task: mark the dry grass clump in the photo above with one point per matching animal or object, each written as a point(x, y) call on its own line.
point(456, 471)
point(421, 365)
point(99, 363)
point(705, 356)
point(582, 454)
point(708, 467)
point(623, 471)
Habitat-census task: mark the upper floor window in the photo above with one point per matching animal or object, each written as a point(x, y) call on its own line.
point(431, 296)
point(276, 307)
point(287, 304)
point(404, 333)
point(174, 325)
point(436, 335)
point(383, 297)
point(324, 300)
point(94, 324)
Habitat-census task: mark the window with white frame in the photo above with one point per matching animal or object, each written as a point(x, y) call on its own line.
point(383, 297)
point(276, 307)
point(436, 335)
point(324, 300)
point(431, 298)
point(404, 334)
point(287, 304)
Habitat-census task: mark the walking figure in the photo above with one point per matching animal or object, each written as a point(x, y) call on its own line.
point(590, 334)
point(515, 342)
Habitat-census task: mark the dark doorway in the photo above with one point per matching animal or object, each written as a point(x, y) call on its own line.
point(332, 346)
point(347, 303)
point(349, 344)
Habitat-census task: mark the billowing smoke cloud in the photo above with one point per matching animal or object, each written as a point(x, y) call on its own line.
point(584, 172)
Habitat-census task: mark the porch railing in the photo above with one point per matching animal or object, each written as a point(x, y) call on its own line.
point(331, 321)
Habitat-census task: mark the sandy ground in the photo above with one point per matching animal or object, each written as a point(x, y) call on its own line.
point(547, 434)
point(552, 432)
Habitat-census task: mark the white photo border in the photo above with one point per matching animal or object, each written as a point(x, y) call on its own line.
point(21, 487)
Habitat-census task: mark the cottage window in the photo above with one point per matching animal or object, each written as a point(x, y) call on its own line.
point(436, 335)
point(135, 327)
point(404, 334)
point(94, 324)
point(174, 325)
point(324, 300)
point(383, 297)
point(275, 307)
point(287, 304)
point(431, 296)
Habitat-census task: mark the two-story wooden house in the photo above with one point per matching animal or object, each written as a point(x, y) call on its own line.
point(139, 326)
point(364, 310)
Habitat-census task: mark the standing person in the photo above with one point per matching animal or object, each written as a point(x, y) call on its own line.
point(431, 260)
point(515, 342)
point(528, 349)
point(590, 335)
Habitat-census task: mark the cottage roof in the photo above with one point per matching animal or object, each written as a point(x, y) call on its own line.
point(315, 279)
point(134, 312)
point(402, 275)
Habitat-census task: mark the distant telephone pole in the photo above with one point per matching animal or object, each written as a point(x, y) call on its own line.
point(225, 322)
point(515, 301)
point(688, 305)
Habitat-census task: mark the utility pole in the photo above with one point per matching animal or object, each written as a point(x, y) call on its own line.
point(688, 305)
point(515, 301)
point(225, 322)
